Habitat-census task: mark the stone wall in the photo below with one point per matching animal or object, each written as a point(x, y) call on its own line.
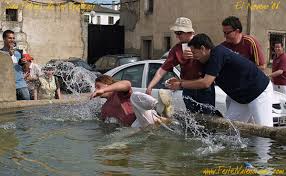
point(53, 33)
point(48, 31)
point(206, 16)
point(7, 79)
point(266, 18)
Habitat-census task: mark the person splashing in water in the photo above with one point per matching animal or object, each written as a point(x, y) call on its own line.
point(123, 106)
point(117, 106)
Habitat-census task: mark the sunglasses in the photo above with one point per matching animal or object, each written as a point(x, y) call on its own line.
point(228, 32)
point(179, 32)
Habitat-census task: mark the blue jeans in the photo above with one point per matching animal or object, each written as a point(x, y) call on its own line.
point(204, 96)
point(23, 93)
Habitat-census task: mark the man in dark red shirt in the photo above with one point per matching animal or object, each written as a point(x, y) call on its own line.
point(244, 45)
point(278, 74)
point(190, 69)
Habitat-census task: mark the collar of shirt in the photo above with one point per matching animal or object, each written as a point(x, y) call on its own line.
point(31, 65)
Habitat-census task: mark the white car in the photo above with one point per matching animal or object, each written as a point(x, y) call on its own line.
point(142, 72)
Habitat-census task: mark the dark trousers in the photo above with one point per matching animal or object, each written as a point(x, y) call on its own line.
point(204, 97)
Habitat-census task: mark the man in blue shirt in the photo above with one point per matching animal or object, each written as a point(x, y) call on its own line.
point(22, 91)
point(249, 89)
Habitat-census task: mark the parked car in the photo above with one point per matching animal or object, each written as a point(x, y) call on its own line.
point(75, 75)
point(141, 73)
point(108, 62)
point(78, 62)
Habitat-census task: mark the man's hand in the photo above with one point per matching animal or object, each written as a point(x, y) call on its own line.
point(162, 120)
point(11, 47)
point(28, 77)
point(187, 54)
point(11, 51)
point(148, 90)
point(174, 84)
point(97, 93)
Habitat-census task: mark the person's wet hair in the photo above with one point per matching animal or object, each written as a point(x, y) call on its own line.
point(200, 40)
point(232, 21)
point(5, 33)
point(105, 79)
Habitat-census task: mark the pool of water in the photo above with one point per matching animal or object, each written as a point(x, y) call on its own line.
point(70, 140)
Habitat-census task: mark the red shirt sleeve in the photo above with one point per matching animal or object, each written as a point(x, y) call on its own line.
point(171, 60)
point(257, 52)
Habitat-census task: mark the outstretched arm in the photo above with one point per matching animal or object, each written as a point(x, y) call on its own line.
point(202, 83)
point(158, 76)
point(120, 86)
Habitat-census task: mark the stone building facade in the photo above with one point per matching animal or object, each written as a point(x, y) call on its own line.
point(46, 29)
point(147, 22)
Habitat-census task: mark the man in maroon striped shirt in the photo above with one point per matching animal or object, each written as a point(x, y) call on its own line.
point(278, 74)
point(245, 45)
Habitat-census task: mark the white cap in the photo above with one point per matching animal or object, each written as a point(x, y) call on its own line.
point(183, 24)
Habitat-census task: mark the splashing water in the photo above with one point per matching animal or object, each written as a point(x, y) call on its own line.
point(185, 124)
point(193, 130)
point(82, 111)
point(73, 78)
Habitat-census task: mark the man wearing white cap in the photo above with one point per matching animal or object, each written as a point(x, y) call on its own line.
point(190, 69)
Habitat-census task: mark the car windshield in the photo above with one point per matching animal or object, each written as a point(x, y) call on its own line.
point(126, 60)
point(102, 62)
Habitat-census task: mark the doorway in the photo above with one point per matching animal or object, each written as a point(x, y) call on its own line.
point(146, 49)
point(275, 36)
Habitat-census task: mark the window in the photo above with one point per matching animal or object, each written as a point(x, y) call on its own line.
point(11, 14)
point(127, 60)
point(110, 20)
point(111, 62)
point(133, 74)
point(98, 20)
point(104, 63)
point(147, 49)
point(161, 84)
point(98, 63)
point(149, 5)
point(167, 43)
point(86, 18)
